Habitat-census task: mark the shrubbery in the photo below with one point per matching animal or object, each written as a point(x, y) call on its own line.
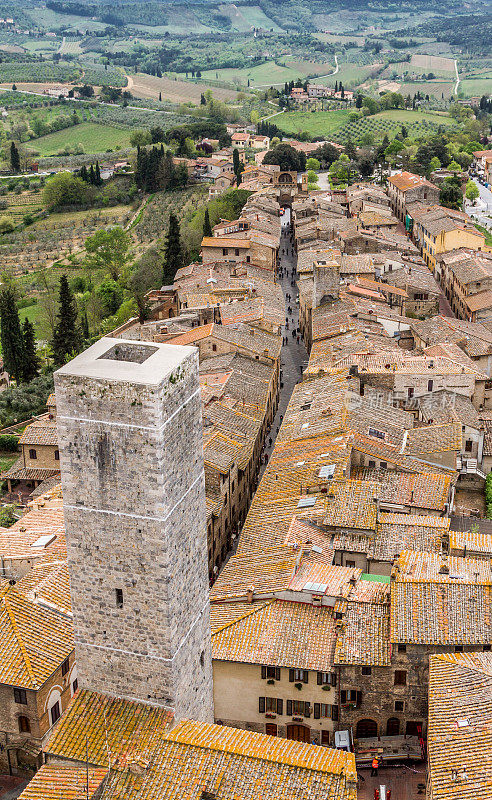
point(488, 495)
point(25, 401)
point(9, 443)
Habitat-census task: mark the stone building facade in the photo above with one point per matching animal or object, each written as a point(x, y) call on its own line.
point(136, 534)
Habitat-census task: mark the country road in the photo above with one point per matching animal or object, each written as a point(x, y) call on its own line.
point(457, 76)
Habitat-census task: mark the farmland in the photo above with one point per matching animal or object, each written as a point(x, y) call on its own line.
point(336, 124)
point(18, 205)
point(477, 84)
point(49, 240)
point(93, 138)
point(322, 123)
point(269, 73)
point(433, 88)
point(243, 18)
point(177, 91)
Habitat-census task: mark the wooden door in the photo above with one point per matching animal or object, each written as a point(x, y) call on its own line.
point(299, 733)
point(270, 729)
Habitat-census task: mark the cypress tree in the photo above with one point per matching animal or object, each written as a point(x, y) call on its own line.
point(84, 174)
point(92, 175)
point(14, 158)
point(207, 228)
point(67, 337)
point(235, 161)
point(11, 335)
point(98, 179)
point(30, 364)
point(85, 327)
point(173, 255)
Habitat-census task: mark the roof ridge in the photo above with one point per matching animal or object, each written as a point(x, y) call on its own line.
point(243, 616)
point(21, 644)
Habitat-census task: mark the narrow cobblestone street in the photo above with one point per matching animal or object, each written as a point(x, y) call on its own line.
point(294, 355)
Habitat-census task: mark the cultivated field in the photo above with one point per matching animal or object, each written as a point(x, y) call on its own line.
point(477, 86)
point(244, 18)
point(336, 125)
point(429, 63)
point(269, 73)
point(18, 205)
point(176, 91)
point(94, 138)
point(433, 88)
point(321, 123)
point(352, 75)
point(70, 46)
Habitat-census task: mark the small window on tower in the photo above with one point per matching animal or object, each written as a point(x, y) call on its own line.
point(119, 598)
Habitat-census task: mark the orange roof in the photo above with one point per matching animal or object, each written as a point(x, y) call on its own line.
point(224, 241)
point(194, 335)
point(407, 180)
point(356, 289)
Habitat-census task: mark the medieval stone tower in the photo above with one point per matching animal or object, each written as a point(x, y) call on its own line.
point(130, 436)
point(326, 272)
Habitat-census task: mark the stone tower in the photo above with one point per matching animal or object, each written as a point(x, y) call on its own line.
point(130, 437)
point(326, 272)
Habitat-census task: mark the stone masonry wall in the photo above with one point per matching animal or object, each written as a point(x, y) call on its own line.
point(133, 488)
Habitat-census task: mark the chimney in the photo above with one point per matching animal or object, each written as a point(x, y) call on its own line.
point(250, 594)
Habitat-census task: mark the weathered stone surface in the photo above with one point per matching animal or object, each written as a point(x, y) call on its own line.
point(130, 438)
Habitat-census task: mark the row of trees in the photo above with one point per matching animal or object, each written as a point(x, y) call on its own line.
point(155, 170)
point(18, 341)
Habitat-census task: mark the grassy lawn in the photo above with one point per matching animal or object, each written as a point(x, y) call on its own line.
point(6, 460)
point(487, 234)
point(269, 72)
point(473, 87)
point(321, 123)
point(257, 18)
point(351, 74)
point(94, 138)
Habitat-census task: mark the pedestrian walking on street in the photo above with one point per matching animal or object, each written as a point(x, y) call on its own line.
point(374, 766)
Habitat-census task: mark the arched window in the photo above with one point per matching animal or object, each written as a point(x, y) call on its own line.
point(366, 728)
point(24, 725)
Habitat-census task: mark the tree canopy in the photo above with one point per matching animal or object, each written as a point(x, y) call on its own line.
point(286, 158)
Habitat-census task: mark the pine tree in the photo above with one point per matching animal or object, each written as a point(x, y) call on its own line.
point(30, 364)
point(173, 256)
point(67, 338)
point(207, 228)
point(14, 158)
point(11, 335)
